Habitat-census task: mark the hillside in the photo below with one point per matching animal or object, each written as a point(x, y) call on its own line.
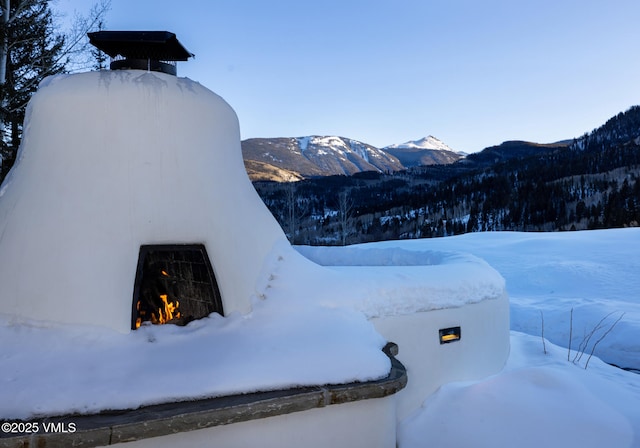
point(588, 183)
point(511, 150)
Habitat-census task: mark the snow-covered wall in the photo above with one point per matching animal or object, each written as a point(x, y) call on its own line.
point(409, 295)
point(112, 160)
point(482, 350)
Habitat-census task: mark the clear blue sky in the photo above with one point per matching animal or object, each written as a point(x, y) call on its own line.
point(473, 73)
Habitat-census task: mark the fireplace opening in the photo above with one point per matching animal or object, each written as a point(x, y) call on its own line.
point(174, 284)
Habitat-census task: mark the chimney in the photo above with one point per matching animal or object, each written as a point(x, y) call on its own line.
point(156, 51)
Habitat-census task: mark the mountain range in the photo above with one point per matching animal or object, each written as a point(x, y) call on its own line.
point(295, 158)
point(589, 182)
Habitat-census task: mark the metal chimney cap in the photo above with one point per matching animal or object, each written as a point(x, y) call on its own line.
point(150, 45)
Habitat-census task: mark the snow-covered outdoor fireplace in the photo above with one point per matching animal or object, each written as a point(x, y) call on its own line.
point(113, 163)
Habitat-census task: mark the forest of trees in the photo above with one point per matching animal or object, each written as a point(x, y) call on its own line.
point(591, 183)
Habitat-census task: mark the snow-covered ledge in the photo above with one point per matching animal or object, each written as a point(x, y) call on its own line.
point(150, 422)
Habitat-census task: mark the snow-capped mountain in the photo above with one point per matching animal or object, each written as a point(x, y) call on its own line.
point(315, 156)
point(429, 142)
point(426, 151)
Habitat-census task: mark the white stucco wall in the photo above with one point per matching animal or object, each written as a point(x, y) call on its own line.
point(481, 351)
point(367, 424)
point(112, 160)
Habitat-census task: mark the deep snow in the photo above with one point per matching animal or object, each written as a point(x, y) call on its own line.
point(537, 400)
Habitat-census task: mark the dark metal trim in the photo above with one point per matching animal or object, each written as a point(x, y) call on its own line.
point(144, 64)
point(160, 45)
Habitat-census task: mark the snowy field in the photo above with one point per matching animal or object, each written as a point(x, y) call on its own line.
point(539, 399)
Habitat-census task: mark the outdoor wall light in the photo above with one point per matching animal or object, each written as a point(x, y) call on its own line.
point(448, 335)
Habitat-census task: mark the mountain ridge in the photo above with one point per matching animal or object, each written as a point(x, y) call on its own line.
point(294, 158)
point(423, 152)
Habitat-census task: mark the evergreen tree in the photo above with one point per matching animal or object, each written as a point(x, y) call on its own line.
point(31, 51)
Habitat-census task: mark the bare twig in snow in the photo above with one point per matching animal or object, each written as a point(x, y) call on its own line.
point(544, 346)
point(593, 349)
point(570, 333)
point(585, 341)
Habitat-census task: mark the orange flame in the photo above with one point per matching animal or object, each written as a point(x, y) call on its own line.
point(139, 319)
point(169, 312)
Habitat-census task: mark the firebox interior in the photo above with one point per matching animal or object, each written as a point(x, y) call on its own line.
point(174, 284)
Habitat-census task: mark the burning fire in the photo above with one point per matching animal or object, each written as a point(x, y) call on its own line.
point(166, 313)
point(169, 312)
point(139, 319)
